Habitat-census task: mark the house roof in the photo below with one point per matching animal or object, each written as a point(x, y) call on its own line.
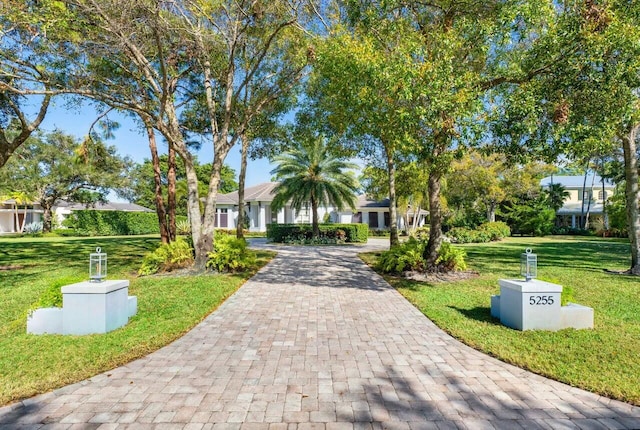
point(575, 181)
point(364, 202)
point(109, 206)
point(257, 193)
point(264, 193)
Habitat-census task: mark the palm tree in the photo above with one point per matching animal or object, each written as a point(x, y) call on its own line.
point(311, 174)
point(557, 194)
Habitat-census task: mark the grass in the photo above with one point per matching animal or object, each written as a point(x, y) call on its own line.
point(167, 308)
point(604, 360)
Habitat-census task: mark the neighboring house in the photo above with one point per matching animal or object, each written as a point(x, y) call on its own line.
point(63, 209)
point(8, 222)
point(584, 197)
point(258, 200)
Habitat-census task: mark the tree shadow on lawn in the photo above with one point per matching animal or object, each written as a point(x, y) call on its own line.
point(584, 255)
point(478, 313)
point(74, 252)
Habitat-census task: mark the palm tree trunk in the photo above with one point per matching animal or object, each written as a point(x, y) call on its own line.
point(314, 219)
point(157, 181)
point(241, 185)
point(632, 194)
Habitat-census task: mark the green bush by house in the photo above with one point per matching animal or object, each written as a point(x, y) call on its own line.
point(487, 232)
point(112, 223)
point(354, 233)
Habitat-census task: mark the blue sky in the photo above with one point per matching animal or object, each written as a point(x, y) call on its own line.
point(132, 142)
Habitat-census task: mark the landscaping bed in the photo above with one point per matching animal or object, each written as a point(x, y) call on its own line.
point(168, 307)
point(603, 360)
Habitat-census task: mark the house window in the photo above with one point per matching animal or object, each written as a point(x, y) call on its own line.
point(222, 218)
point(387, 220)
point(602, 195)
point(373, 219)
point(586, 194)
point(357, 217)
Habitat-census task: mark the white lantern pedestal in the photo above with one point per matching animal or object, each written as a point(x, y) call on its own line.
point(535, 305)
point(87, 308)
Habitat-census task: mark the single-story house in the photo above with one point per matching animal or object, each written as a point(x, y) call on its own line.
point(258, 211)
point(584, 196)
point(8, 221)
point(34, 212)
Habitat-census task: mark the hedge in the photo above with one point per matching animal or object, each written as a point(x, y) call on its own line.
point(355, 233)
point(112, 223)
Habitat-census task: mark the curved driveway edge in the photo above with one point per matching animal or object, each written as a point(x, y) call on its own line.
point(316, 340)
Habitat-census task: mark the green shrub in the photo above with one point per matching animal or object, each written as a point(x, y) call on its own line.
point(167, 257)
point(51, 297)
point(230, 254)
point(408, 257)
point(354, 233)
point(379, 233)
point(421, 233)
point(487, 232)
point(466, 235)
point(498, 230)
point(183, 227)
point(91, 222)
point(65, 232)
point(403, 257)
point(451, 258)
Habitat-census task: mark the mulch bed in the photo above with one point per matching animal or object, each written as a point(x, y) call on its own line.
point(441, 276)
point(12, 267)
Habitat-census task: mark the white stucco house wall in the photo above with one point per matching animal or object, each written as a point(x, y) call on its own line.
point(258, 200)
point(582, 196)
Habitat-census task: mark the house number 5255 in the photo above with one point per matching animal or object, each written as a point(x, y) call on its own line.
point(540, 300)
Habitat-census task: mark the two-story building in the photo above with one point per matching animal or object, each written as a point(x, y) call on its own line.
point(587, 199)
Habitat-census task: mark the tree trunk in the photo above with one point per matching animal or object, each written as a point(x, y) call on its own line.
point(241, 185)
point(201, 244)
point(584, 185)
point(208, 222)
point(47, 216)
point(157, 180)
point(24, 217)
point(491, 211)
point(393, 211)
point(435, 225)
point(314, 217)
point(171, 191)
point(632, 194)
point(586, 219)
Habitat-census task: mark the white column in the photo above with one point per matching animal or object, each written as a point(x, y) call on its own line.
point(281, 217)
point(262, 217)
point(573, 221)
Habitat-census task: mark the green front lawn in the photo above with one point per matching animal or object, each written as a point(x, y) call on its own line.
point(167, 308)
point(605, 360)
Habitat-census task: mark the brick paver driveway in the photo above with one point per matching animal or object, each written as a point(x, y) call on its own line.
point(317, 340)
